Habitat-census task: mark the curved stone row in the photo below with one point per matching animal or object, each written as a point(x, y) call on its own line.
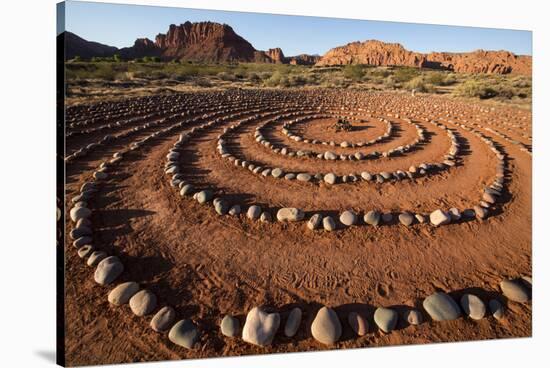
point(84, 151)
point(287, 131)
point(414, 171)
point(489, 197)
point(331, 156)
point(260, 327)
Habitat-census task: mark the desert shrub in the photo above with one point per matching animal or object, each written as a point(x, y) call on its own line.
point(353, 72)
point(418, 84)
point(475, 88)
point(405, 74)
point(275, 80)
point(390, 81)
point(435, 78)
point(254, 77)
point(450, 79)
point(117, 58)
point(77, 58)
point(202, 82)
point(225, 76)
point(297, 80)
point(379, 73)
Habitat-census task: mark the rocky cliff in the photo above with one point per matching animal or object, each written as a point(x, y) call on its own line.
point(374, 52)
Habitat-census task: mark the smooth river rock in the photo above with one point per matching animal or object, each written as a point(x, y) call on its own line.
point(143, 302)
point(472, 306)
point(358, 324)
point(260, 327)
point(293, 322)
point(514, 291)
point(441, 307)
point(184, 333)
point(122, 293)
point(439, 217)
point(385, 318)
point(108, 270)
point(229, 326)
point(329, 224)
point(290, 214)
point(326, 327)
point(163, 319)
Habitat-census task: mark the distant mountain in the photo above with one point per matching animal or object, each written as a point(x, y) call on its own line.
point(218, 43)
point(201, 42)
point(77, 46)
point(373, 52)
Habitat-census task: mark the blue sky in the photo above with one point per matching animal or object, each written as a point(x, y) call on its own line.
point(119, 25)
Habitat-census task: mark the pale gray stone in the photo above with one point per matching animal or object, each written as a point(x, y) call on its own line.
point(163, 319)
point(229, 326)
point(260, 327)
point(143, 302)
point(108, 270)
point(184, 333)
point(122, 293)
point(441, 307)
point(326, 327)
point(293, 322)
point(385, 318)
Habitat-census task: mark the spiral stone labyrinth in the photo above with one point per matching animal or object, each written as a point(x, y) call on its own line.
point(246, 209)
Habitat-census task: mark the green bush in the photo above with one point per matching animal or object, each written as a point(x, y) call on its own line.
point(475, 88)
point(354, 72)
point(405, 74)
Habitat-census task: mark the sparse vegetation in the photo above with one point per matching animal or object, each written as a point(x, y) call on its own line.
point(516, 89)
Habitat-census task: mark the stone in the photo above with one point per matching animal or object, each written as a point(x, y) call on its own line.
point(184, 333)
point(385, 318)
point(85, 251)
point(204, 196)
point(472, 306)
point(122, 293)
point(329, 156)
point(366, 176)
point(441, 307)
point(290, 214)
point(265, 217)
point(348, 218)
point(303, 177)
point(406, 218)
point(143, 302)
point(315, 221)
point(496, 308)
point(221, 206)
point(80, 231)
point(439, 217)
point(387, 217)
point(326, 327)
point(420, 218)
point(330, 178)
point(480, 212)
point(187, 190)
point(78, 213)
point(108, 270)
point(489, 198)
point(329, 224)
point(514, 291)
point(372, 218)
point(229, 326)
point(455, 214)
point(293, 322)
point(277, 173)
point(260, 327)
point(358, 324)
point(163, 319)
point(413, 317)
point(95, 258)
point(85, 240)
point(254, 212)
point(290, 176)
point(235, 210)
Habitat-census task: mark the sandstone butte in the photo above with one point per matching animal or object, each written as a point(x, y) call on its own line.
point(373, 52)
